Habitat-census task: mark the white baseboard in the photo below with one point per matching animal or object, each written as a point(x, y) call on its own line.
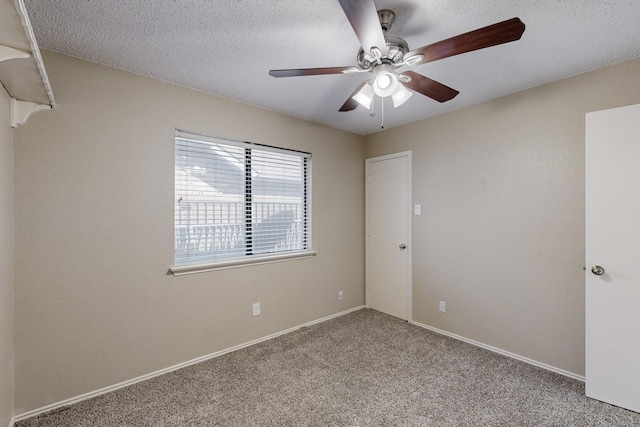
point(503, 352)
point(132, 381)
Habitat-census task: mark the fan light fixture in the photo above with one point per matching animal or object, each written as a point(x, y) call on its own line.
point(400, 96)
point(386, 83)
point(365, 96)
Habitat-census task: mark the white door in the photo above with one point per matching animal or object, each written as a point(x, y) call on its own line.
point(613, 243)
point(388, 234)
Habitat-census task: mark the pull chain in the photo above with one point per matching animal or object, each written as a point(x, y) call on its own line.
point(381, 113)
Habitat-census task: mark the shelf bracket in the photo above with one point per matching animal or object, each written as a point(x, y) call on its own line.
point(7, 53)
point(21, 110)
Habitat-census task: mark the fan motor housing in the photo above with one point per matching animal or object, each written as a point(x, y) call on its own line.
point(396, 47)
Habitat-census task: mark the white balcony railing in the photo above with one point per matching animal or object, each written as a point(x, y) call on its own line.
point(210, 231)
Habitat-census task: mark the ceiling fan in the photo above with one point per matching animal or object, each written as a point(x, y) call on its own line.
point(383, 55)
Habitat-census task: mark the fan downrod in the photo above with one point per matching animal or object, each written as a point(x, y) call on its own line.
point(387, 18)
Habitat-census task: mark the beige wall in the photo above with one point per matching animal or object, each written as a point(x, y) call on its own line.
point(94, 235)
point(6, 260)
point(501, 236)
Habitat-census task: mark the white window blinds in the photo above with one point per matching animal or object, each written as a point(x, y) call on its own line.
point(235, 200)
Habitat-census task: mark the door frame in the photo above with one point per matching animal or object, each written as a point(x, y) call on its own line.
point(409, 249)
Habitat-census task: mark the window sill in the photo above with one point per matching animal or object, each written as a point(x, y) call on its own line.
point(201, 268)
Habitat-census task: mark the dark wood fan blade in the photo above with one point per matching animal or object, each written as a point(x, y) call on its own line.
point(502, 32)
point(295, 72)
point(430, 88)
point(363, 16)
point(351, 103)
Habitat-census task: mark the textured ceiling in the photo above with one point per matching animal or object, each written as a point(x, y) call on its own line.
point(227, 47)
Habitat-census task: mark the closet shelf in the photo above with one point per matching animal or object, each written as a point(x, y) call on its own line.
point(22, 72)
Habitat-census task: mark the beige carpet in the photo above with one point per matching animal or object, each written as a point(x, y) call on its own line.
point(362, 369)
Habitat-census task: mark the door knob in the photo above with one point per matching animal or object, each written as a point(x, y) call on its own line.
point(403, 246)
point(597, 270)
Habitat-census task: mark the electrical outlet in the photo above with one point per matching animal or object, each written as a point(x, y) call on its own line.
point(443, 306)
point(340, 295)
point(417, 209)
point(256, 309)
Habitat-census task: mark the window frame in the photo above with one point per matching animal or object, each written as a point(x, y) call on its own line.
point(248, 258)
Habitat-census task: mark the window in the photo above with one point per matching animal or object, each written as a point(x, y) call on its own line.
point(238, 202)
